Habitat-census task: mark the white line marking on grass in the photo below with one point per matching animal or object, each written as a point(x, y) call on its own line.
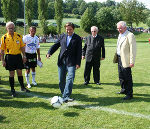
point(28, 94)
point(76, 103)
point(121, 112)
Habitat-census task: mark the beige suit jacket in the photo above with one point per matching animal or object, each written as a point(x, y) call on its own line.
point(128, 50)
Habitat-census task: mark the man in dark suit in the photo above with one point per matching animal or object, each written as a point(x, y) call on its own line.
point(69, 59)
point(93, 51)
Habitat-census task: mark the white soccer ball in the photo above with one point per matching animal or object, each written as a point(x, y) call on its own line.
point(56, 101)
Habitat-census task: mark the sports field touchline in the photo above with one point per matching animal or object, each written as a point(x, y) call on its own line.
point(76, 103)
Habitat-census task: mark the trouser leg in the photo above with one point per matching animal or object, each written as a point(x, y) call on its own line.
point(121, 75)
point(69, 81)
point(96, 71)
point(62, 77)
point(128, 81)
point(87, 71)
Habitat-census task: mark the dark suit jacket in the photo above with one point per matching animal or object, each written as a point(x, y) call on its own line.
point(72, 53)
point(92, 48)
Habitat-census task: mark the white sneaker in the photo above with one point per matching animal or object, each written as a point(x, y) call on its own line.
point(28, 86)
point(34, 83)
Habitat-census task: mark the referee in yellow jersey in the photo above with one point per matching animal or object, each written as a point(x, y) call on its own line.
point(12, 46)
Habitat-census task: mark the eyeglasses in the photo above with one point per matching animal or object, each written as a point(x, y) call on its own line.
point(10, 28)
point(119, 29)
point(93, 31)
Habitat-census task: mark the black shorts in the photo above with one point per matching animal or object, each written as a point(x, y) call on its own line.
point(31, 60)
point(14, 62)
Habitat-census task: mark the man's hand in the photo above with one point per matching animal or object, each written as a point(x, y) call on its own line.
point(48, 56)
point(102, 58)
point(131, 65)
point(77, 66)
point(4, 63)
point(39, 58)
point(83, 57)
point(24, 59)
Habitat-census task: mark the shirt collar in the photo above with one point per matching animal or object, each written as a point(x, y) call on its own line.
point(123, 33)
point(70, 35)
point(94, 36)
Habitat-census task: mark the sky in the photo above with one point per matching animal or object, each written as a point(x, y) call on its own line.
point(145, 2)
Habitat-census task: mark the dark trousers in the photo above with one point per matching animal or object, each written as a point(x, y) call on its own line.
point(96, 71)
point(125, 78)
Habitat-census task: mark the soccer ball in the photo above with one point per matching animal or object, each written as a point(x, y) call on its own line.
point(56, 101)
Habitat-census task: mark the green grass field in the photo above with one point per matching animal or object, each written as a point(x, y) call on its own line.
point(95, 107)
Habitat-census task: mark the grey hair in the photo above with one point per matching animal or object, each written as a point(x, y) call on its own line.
point(122, 23)
point(95, 27)
point(9, 23)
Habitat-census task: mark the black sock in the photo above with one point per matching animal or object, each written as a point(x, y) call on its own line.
point(11, 82)
point(20, 79)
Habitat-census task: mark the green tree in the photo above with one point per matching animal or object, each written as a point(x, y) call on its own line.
point(132, 11)
point(148, 22)
point(75, 11)
point(69, 5)
point(88, 20)
point(21, 9)
point(10, 10)
point(51, 10)
point(95, 5)
point(109, 3)
point(105, 19)
point(42, 10)
point(0, 9)
point(58, 14)
point(116, 15)
point(29, 11)
point(35, 9)
point(79, 3)
point(82, 7)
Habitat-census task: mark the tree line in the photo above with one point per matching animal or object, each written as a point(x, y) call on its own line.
point(105, 15)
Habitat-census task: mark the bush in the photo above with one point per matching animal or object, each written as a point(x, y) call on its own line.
point(78, 16)
point(51, 30)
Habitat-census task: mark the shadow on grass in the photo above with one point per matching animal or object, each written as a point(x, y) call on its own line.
point(80, 86)
point(71, 114)
point(107, 101)
point(2, 118)
point(24, 105)
point(112, 84)
point(134, 84)
point(6, 94)
point(4, 82)
point(140, 84)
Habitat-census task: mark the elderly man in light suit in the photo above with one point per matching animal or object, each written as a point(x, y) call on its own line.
point(126, 52)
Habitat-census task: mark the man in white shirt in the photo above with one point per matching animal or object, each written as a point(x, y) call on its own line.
point(32, 46)
point(126, 52)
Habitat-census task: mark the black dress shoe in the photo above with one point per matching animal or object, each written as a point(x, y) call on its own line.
point(121, 92)
point(13, 93)
point(128, 97)
point(86, 83)
point(98, 83)
point(25, 90)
